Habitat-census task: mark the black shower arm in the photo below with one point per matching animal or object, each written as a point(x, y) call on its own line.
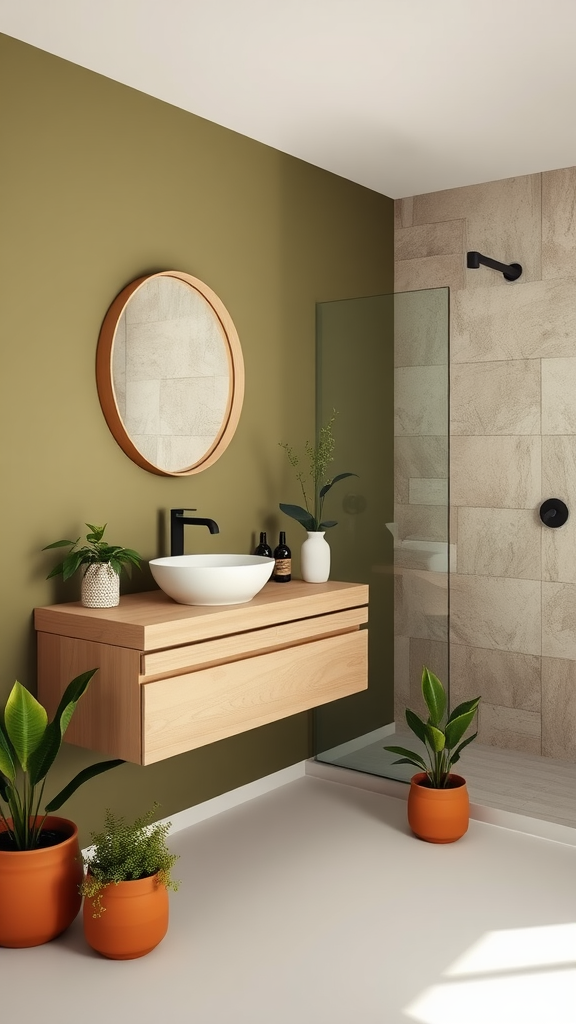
point(511, 271)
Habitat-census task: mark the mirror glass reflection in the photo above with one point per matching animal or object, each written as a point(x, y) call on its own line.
point(171, 373)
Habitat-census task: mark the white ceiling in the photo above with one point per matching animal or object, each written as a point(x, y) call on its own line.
point(404, 96)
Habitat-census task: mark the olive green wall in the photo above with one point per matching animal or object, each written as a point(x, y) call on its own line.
point(99, 184)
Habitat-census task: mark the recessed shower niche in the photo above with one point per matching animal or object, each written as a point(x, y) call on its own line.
point(170, 373)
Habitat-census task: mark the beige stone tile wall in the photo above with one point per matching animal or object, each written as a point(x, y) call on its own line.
point(512, 444)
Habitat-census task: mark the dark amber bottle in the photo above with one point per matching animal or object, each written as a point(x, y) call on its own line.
point(283, 556)
point(263, 547)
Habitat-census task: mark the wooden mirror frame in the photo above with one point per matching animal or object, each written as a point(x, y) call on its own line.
point(105, 383)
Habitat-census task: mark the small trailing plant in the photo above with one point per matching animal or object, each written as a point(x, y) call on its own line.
point(96, 550)
point(29, 744)
point(124, 852)
point(440, 735)
point(316, 484)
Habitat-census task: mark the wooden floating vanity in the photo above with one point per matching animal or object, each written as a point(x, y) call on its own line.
point(174, 677)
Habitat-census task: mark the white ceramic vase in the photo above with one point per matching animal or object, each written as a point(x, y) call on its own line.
point(315, 558)
point(100, 586)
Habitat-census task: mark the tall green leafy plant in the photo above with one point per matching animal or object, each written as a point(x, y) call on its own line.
point(29, 744)
point(440, 734)
point(316, 484)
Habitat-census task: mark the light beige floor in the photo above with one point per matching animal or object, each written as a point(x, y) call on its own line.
point(313, 904)
point(540, 787)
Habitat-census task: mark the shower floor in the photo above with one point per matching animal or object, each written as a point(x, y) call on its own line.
point(538, 787)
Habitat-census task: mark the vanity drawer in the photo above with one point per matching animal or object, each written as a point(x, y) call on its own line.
point(192, 710)
point(242, 645)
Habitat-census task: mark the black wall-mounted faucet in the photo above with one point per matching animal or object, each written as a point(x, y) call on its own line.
point(178, 520)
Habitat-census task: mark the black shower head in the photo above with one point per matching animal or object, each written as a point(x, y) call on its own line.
point(511, 271)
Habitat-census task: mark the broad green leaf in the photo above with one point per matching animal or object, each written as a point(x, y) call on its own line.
point(4, 788)
point(416, 724)
point(411, 756)
point(341, 476)
point(435, 738)
point(70, 564)
point(298, 513)
point(434, 695)
point(456, 755)
point(61, 544)
point(456, 729)
point(467, 705)
point(327, 524)
point(78, 780)
point(7, 766)
point(97, 532)
point(43, 757)
point(25, 721)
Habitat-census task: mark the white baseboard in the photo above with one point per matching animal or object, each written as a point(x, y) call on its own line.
point(489, 815)
point(207, 809)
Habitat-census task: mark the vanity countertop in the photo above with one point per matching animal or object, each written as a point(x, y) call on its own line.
point(152, 620)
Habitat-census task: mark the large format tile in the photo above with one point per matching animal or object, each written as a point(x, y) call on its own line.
point(403, 212)
point(495, 472)
point(501, 397)
point(428, 492)
point(510, 728)
point(559, 396)
point(496, 613)
point(503, 221)
point(518, 322)
point(559, 481)
point(420, 400)
point(499, 542)
point(421, 328)
point(500, 677)
point(559, 620)
point(559, 708)
point(558, 237)
point(401, 675)
point(421, 522)
point(420, 604)
point(559, 552)
point(418, 457)
point(441, 239)
point(559, 468)
point(431, 654)
point(429, 272)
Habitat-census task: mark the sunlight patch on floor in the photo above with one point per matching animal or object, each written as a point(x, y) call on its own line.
point(518, 976)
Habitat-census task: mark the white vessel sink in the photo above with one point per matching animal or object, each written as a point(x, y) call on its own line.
point(212, 579)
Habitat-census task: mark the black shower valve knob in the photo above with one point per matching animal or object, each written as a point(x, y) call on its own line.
point(553, 512)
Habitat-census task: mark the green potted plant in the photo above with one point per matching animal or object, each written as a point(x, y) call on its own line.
point(438, 803)
point(104, 563)
point(315, 485)
point(126, 886)
point(39, 853)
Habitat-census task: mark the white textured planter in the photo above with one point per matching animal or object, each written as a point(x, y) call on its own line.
point(100, 586)
point(315, 558)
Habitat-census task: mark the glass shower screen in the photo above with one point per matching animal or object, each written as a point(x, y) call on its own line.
point(382, 365)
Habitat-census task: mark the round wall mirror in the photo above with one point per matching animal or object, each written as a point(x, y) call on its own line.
point(170, 373)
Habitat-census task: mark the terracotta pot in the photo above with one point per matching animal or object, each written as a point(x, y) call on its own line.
point(39, 895)
point(134, 922)
point(438, 815)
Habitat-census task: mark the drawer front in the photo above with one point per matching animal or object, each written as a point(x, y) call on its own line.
point(257, 641)
point(188, 711)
